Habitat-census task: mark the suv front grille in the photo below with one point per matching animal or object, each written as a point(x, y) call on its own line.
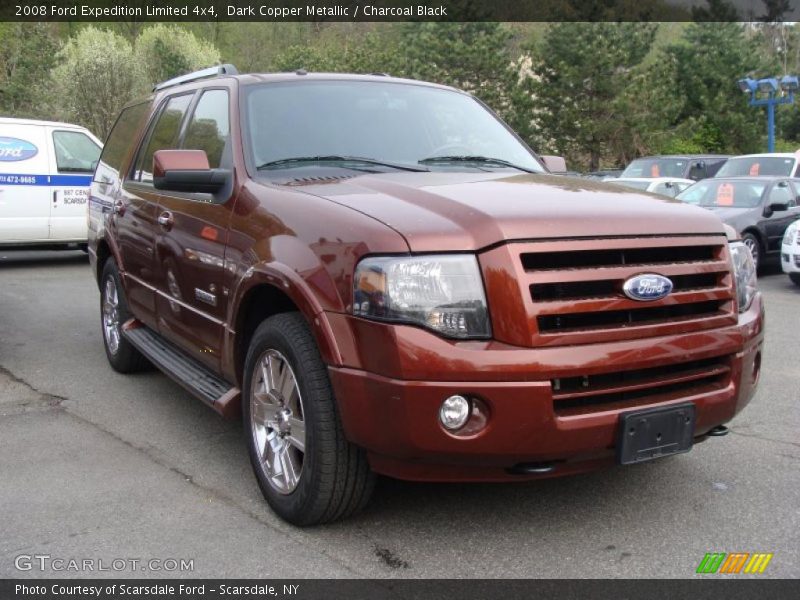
point(629, 389)
point(574, 288)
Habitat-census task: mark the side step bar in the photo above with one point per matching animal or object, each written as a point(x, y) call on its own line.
point(192, 375)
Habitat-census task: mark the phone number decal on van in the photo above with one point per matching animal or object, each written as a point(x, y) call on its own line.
point(54, 180)
point(14, 149)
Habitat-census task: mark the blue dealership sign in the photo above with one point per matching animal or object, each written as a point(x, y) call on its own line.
point(14, 149)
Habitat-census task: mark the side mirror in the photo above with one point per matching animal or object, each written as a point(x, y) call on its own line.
point(554, 164)
point(778, 207)
point(187, 171)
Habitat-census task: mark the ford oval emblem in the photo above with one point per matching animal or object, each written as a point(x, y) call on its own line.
point(13, 149)
point(647, 287)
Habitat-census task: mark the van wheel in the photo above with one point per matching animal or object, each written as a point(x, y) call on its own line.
point(306, 469)
point(122, 356)
point(795, 277)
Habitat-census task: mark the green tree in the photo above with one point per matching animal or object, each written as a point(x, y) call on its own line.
point(166, 51)
point(702, 73)
point(94, 78)
point(583, 83)
point(27, 53)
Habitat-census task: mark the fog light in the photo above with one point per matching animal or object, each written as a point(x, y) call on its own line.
point(454, 412)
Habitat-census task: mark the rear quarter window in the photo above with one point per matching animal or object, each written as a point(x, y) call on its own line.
point(119, 142)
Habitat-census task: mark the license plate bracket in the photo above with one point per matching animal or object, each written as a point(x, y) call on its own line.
point(654, 433)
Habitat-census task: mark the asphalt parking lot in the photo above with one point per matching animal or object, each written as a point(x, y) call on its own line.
point(96, 465)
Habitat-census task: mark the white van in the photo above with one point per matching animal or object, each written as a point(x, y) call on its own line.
point(45, 172)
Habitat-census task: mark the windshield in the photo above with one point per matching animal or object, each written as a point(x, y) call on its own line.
point(753, 166)
point(656, 167)
point(725, 194)
point(639, 185)
point(397, 124)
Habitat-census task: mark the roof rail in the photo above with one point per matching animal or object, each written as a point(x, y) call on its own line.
point(201, 74)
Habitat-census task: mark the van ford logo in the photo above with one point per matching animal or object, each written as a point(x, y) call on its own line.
point(13, 149)
point(647, 287)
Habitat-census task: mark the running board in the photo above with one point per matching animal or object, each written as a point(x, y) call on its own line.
point(192, 375)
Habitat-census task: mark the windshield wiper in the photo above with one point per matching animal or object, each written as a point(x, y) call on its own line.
point(475, 159)
point(336, 158)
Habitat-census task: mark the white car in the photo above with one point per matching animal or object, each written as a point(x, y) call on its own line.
point(781, 164)
point(45, 172)
point(790, 252)
point(666, 186)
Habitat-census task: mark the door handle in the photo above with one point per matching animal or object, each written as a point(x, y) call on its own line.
point(165, 220)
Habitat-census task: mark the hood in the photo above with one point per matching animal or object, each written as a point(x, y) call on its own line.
point(440, 211)
point(731, 215)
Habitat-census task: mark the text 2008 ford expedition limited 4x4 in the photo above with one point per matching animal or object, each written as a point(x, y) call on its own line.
point(380, 277)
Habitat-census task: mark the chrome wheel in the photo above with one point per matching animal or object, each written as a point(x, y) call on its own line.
point(111, 316)
point(276, 421)
point(752, 245)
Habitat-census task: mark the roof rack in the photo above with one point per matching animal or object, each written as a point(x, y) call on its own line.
point(201, 74)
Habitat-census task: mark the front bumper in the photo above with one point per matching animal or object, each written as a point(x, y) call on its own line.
point(790, 258)
point(389, 398)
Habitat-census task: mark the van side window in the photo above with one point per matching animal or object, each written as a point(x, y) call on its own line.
point(75, 152)
point(209, 127)
point(118, 142)
point(163, 135)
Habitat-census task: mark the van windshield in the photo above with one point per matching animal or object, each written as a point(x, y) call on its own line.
point(402, 126)
point(753, 166)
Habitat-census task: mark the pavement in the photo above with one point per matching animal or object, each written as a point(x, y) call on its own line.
point(133, 475)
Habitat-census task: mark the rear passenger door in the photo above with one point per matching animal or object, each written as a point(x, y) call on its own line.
point(24, 183)
point(191, 240)
point(75, 156)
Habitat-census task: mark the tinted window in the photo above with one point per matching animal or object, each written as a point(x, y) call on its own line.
point(730, 194)
point(757, 165)
point(393, 122)
point(75, 152)
point(781, 195)
point(656, 167)
point(119, 141)
point(208, 129)
point(163, 135)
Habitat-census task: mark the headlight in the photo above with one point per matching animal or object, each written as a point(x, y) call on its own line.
point(443, 293)
point(744, 271)
point(792, 234)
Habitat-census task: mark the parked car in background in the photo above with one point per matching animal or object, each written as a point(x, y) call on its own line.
point(790, 252)
point(603, 174)
point(666, 186)
point(45, 172)
point(777, 164)
point(758, 208)
point(690, 166)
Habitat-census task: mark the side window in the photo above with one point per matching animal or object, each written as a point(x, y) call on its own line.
point(163, 135)
point(122, 135)
point(209, 126)
point(782, 195)
point(75, 152)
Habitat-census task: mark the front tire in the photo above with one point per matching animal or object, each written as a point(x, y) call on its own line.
point(121, 354)
point(752, 243)
point(307, 470)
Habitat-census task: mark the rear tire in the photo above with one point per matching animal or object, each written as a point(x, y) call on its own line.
point(795, 277)
point(307, 470)
point(121, 354)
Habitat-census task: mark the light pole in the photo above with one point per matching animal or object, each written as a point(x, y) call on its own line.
point(766, 92)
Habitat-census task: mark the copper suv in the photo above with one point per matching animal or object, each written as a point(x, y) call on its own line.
point(380, 277)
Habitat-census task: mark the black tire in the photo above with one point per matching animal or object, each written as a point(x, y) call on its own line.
point(123, 358)
point(335, 480)
point(754, 244)
point(795, 277)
